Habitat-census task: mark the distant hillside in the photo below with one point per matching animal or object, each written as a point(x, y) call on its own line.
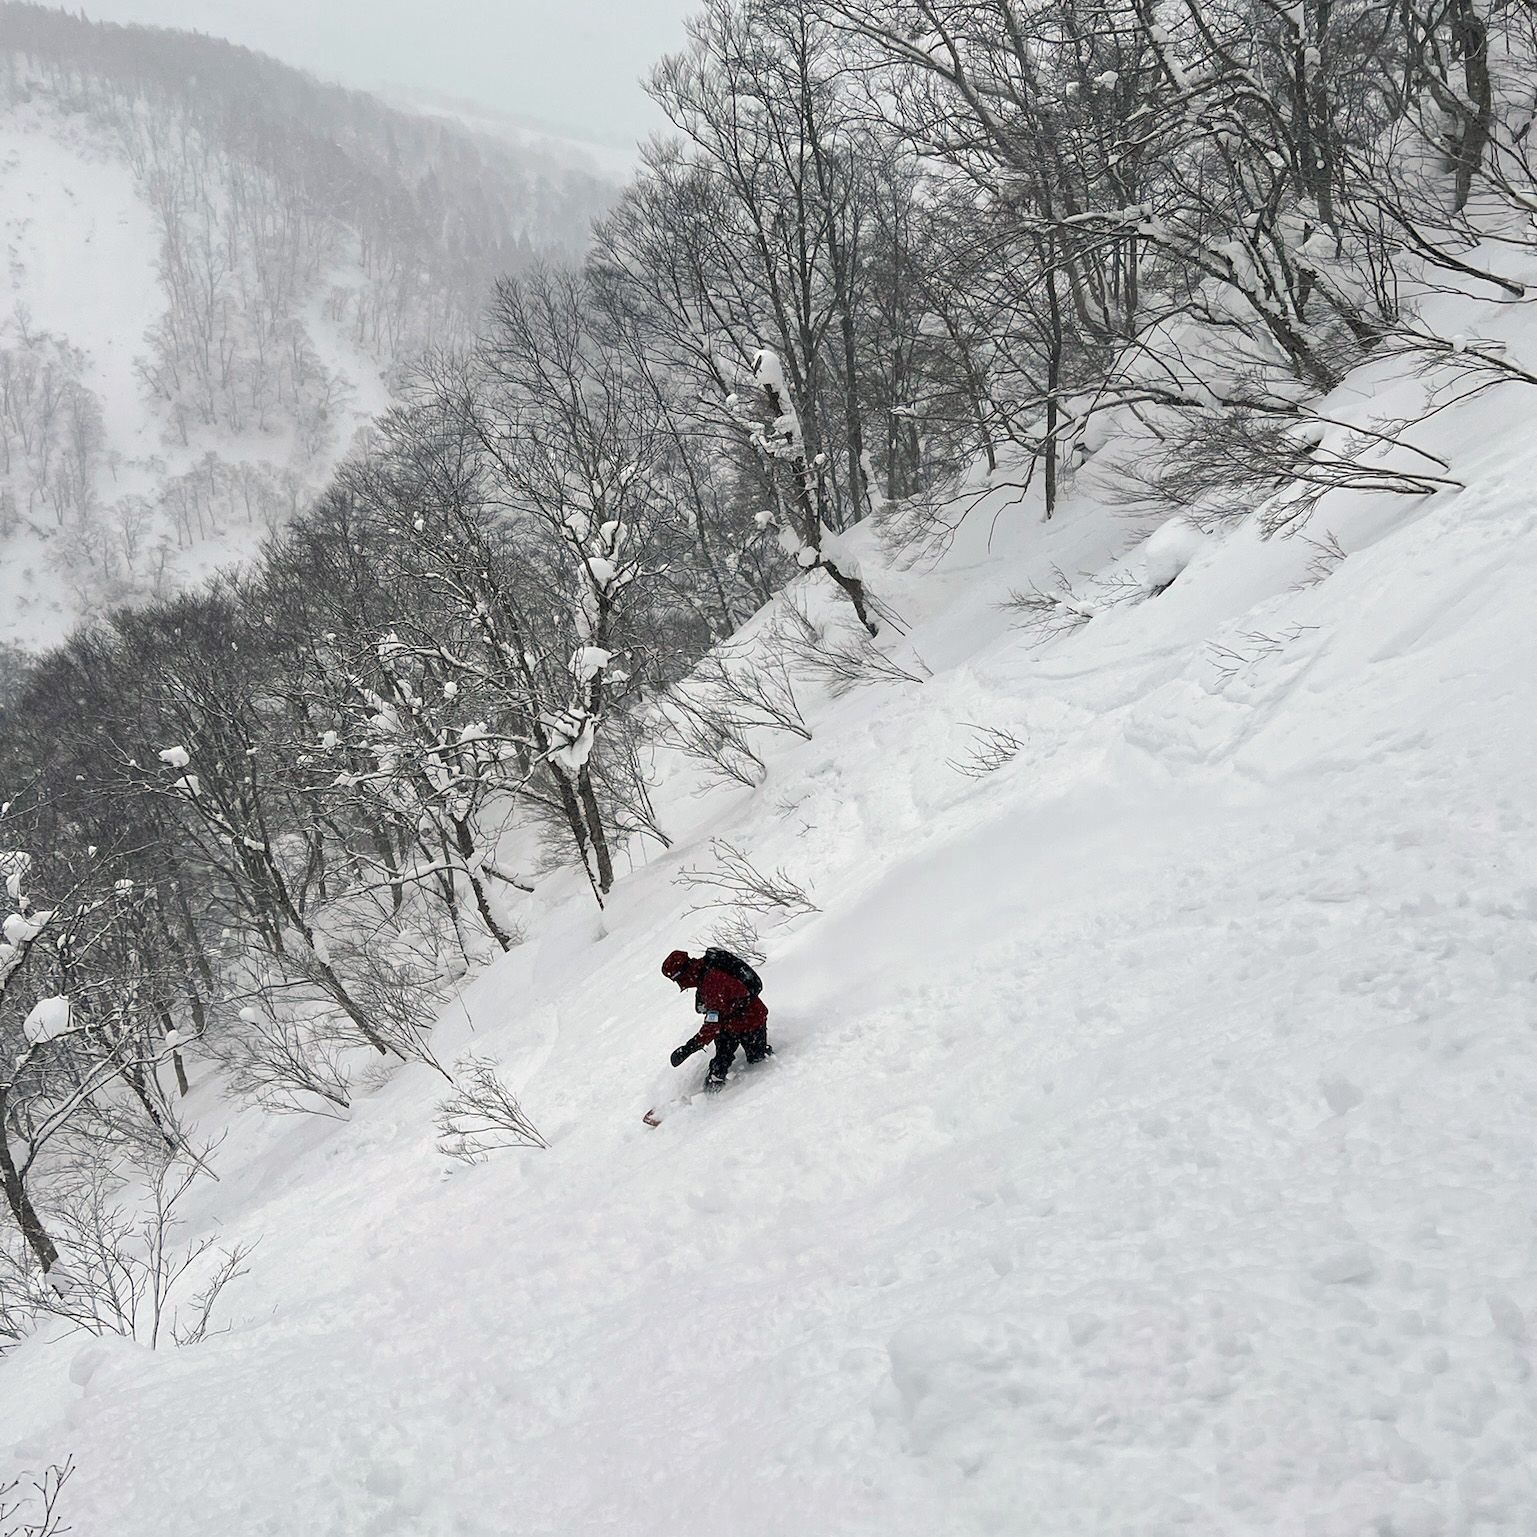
point(213, 265)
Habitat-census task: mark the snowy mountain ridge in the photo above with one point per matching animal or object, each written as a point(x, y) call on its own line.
point(1147, 1145)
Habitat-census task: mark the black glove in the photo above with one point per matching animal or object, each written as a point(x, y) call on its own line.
point(685, 1051)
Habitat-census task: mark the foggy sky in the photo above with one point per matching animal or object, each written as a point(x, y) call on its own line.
point(573, 64)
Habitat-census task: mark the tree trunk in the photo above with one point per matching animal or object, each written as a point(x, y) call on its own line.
point(22, 1209)
point(853, 428)
point(334, 985)
point(594, 817)
point(140, 1090)
point(1472, 40)
point(811, 519)
point(1053, 378)
point(384, 847)
point(465, 845)
point(167, 1025)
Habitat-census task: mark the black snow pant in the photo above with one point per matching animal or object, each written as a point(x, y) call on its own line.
point(754, 1045)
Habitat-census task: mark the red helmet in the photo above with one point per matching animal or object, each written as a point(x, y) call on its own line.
point(675, 964)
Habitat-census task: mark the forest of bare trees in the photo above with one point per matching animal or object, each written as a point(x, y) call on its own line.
point(269, 824)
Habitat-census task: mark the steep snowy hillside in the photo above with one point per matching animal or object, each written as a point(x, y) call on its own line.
point(102, 499)
point(1147, 1147)
point(213, 265)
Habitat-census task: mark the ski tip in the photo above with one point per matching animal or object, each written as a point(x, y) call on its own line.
point(651, 1118)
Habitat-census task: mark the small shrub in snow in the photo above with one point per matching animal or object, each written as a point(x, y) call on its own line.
point(708, 715)
point(1250, 647)
point(1047, 615)
point(1214, 465)
point(398, 984)
point(756, 690)
point(840, 659)
point(699, 728)
point(285, 1059)
point(742, 885)
point(34, 1511)
point(124, 1269)
point(482, 1115)
point(1350, 465)
point(990, 749)
point(1327, 554)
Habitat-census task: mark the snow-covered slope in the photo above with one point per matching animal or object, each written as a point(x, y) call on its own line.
point(1148, 1147)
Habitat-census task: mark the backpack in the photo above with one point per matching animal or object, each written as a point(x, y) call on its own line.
point(734, 966)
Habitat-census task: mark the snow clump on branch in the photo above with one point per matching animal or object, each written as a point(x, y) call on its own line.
point(572, 737)
point(50, 1017)
point(21, 931)
point(14, 865)
point(588, 661)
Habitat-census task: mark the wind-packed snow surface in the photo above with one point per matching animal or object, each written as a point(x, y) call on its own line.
point(1147, 1148)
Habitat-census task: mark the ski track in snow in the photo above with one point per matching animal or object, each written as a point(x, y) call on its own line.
point(1148, 1147)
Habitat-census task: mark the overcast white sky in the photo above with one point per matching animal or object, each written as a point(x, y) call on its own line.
point(574, 64)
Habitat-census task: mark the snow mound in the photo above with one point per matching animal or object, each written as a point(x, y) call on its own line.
point(1169, 549)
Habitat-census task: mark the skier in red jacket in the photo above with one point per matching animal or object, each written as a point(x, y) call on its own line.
point(734, 1015)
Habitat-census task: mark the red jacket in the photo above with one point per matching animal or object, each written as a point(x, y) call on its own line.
point(720, 993)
